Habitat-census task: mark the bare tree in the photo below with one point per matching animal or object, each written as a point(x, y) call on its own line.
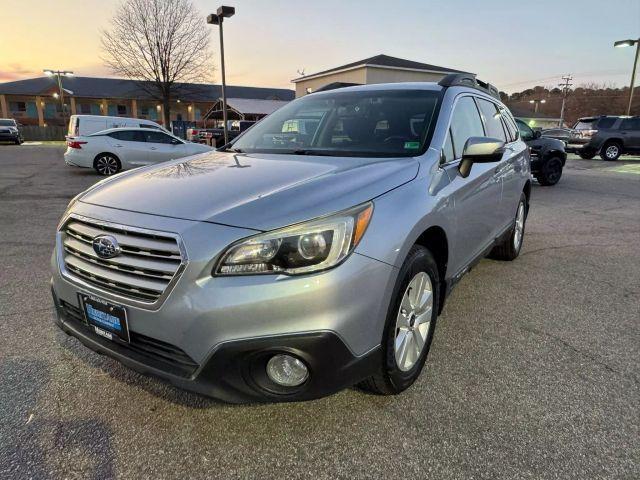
point(160, 43)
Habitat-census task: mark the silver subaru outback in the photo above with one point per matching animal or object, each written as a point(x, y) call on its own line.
point(312, 253)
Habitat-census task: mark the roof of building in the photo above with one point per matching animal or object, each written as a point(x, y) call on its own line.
point(383, 61)
point(254, 106)
point(95, 87)
point(525, 113)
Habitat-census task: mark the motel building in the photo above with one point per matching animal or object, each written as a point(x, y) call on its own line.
point(377, 69)
point(34, 101)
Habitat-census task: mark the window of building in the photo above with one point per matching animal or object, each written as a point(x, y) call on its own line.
point(122, 109)
point(492, 120)
point(18, 106)
point(465, 123)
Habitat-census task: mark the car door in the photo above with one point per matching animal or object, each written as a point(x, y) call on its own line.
point(162, 147)
point(509, 169)
point(130, 147)
point(630, 131)
point(477, 197)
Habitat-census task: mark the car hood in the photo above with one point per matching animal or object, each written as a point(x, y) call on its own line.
point(257, 191)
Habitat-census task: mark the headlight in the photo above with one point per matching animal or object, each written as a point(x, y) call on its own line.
point(307, 247)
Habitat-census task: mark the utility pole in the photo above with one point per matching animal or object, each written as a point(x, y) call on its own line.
point(217, 19)
point(565, 91)
point(59, 74)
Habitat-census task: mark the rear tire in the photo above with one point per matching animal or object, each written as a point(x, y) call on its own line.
point(611, 151)
point(510, 247)
point(107, 164)
point(411, 321)
point(551, 172)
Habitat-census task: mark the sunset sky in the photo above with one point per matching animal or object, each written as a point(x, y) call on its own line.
point(511, 44)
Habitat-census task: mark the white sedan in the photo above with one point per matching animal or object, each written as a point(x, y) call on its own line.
point(110, 151)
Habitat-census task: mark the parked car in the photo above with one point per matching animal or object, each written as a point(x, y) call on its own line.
point(82, 125)
point(609, 136)
point(548, 156)
point(292, 265)
point(117, 149)
point(10, 131)
point(215, 136)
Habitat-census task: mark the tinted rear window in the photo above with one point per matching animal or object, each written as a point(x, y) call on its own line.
point(128, 135)
point(606, 122)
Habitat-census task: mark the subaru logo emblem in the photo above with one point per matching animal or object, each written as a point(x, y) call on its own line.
point(106, 246)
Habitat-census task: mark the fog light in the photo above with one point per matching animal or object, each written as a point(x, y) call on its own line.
point(287, 370)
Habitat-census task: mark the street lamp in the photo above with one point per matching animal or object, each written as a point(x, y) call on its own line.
point(630, 43)
point(216, 19)
point(59, 74)
point(537, 102)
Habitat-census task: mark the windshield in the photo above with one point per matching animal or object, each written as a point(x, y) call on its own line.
point(376, 123)
point(7, 123)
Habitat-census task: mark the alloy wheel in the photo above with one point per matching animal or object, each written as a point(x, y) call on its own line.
point(107, 165)
point(612, 151)
point(519, 227)
point(413, 321)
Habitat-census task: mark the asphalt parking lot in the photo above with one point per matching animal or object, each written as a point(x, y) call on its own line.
point(534, 370)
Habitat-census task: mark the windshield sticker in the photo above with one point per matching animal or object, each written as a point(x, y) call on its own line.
point(411, 145)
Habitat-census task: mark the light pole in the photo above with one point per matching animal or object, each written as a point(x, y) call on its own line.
point(537, 102)
point(59, 74)
point(630, 43)
point(217, 19)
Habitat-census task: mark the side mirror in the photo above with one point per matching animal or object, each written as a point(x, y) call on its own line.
point(480, 150)
point(175, 141)
point(537, 134)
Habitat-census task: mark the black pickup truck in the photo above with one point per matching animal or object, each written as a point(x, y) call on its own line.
point(215, 136)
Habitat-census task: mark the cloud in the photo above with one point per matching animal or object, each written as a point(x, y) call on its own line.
point(15, 71)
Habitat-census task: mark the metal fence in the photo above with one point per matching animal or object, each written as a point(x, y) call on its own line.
point(36, 133)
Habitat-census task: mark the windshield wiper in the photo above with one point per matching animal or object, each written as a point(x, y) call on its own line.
point(234, 150)
point(310, 151)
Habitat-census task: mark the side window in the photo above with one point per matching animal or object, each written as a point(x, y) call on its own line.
point(630, 124)
point(606, 122)
point(157, 137)
point(510, 124)
point(465, 123)
point(525, 131)
point(447, 150)
point(491, 117)
point(128, 136)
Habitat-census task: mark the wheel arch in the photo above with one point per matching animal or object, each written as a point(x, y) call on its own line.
point(435, 240)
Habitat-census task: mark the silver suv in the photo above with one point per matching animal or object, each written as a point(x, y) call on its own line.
point(312, 253)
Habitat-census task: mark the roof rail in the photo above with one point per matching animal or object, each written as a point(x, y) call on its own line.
point(469, 80)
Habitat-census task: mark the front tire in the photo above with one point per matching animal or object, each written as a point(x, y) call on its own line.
point(611, 151)
point(107, 164)
point(510, 247)
point(551, 172)
point(411, 321)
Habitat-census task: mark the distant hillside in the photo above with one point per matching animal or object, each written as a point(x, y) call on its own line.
point(583, 101)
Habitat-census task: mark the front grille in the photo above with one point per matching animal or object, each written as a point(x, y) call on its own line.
point(142, 271)
point(153, 352)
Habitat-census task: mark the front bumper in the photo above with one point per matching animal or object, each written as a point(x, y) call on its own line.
point(10, 137)
point(209, 333)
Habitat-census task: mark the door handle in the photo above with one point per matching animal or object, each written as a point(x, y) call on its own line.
point(117, 145)
point(152, 148)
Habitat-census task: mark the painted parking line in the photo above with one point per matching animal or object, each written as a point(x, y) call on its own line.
point(627, 169)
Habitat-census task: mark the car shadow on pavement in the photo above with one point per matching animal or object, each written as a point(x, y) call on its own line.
point(34, 446)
